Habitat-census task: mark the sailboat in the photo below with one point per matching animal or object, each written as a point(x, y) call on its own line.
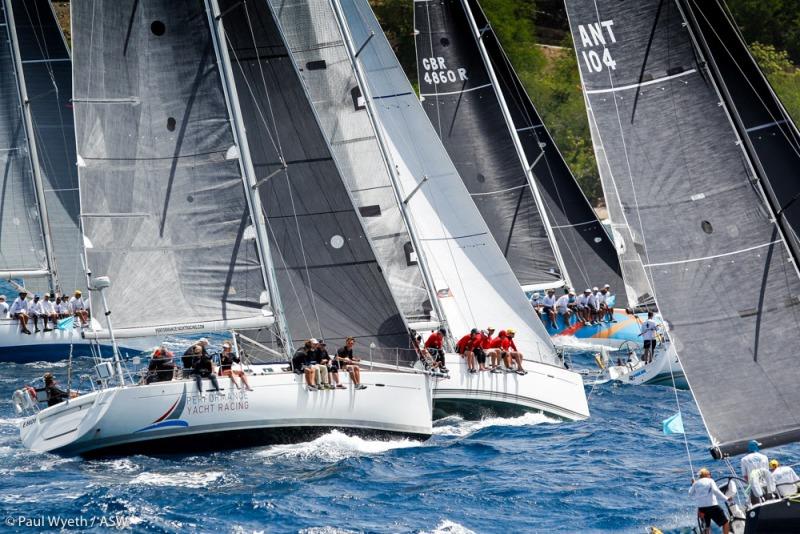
point(513, 169)
point(673, 92)
point(470, 283)
point(40, 238)
point(172, 215)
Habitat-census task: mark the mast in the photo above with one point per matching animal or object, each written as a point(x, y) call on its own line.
point(379, 134)
point(751, 156)
point(34, 154)
point(246, 163)
point(527, 166)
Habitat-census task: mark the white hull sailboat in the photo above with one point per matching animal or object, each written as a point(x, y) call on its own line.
point(664, 370)
point(174, 417)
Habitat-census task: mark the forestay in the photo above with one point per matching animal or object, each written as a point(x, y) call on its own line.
point(21, 240)
point(473, 282)
point(689, 196)
point(47, 69)
point(164, 209)
point(313, 36)
point(331, 285)
point(459, 98)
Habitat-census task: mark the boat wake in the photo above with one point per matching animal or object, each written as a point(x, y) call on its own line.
point(335, 446)
point(574, 344)
point(457, 426)
point(183, 479)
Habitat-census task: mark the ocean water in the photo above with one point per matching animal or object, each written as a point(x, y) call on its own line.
point(616, 472)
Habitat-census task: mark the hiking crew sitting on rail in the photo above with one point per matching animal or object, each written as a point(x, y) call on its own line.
point(349, 362)
point(48, 312)
point(549, 306)
point(62, 308)
point(536, 302)
point(563, 306)
point(301, 364)
point(320, 361)
point(226, 361)
point(204, 368)
point(594, 306)
point(162, 366)
point(435, 347)
point(648, 332)
point(78, 308)
point(19, 311)
point(478, 351)
point(3, 307)
point(322, 355)
point(192, 355)
point(606, 310)
point(505, 348)
point(464, 348)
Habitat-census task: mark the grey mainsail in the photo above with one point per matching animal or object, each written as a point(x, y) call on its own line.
point(163, 203)
point(22, 250)
point(458, 95)
point(47, 69)
point(690, 196)
point(331, 285)
point(312, 34)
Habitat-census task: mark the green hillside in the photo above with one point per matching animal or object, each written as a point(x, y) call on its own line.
point(536, 37)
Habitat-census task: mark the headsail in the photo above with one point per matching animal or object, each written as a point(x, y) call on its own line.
point(163, 204)
point(473, 282)
point(312, 34)
point(457, 93)
point(723, 275)
point(47, 71)
point(331, 285)
point(22, 250)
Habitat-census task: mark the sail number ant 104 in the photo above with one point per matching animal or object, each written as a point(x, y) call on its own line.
point(597, 34)
point(436, 71)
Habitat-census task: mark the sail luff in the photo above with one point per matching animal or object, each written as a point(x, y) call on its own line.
point(386, 157)
point(216, 23)
point(527, 167)
point(31, 137)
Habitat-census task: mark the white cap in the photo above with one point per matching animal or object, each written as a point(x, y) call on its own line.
point(606, 286)
point(203, 340)
point(595, 288)
point(536, 295)
point(314, 340)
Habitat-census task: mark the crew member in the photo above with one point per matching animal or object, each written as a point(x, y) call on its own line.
point(549, 306)
point(435, 347)
point(55, 395)
point(161, 367)
point(705, 493)
point(648, 333)
point(19, 311)
point(350, 362)
point(464, 348)
point(226, 361)
point(78, 308)
point(755, 466)
point(785, 478)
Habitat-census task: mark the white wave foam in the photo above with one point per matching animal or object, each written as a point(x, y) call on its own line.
point(326, 530)
point(456, 426)
point(449, 527)
point(179, 479)
point(335, 446)
point(48, 365)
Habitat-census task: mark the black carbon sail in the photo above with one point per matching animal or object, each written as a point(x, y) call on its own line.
point(707, 231)
point(459, 98)
point(331, 285)
point(47, 69)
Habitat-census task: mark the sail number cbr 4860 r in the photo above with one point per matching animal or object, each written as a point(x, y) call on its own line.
point(436, 71)
point(595, 35)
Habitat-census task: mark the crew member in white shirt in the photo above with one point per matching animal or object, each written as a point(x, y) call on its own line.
point(755, 461)
point(549, 306)
point(594, 305)
point(35, 311)
point(3, 307)
point(705, 493)
point(536, 302)
point(562, 306)
point(78, 308)
point(583, 306)
point(785, 478)
point(648, 332)
point(62, 308)
point(48, 311)
point(19, 311)
point(608, 310)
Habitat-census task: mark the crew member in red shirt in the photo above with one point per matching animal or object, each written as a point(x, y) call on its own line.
point(435, 346)
point(464, 347)
point(504, 347)
point(477, 349)
point(513, 352)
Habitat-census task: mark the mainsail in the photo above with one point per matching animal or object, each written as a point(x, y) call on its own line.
point(47, 69)
point(585, 250)
point(22, 249)
point(331, 285)
point(312, 35)
point(473, 282)
point(163, 203)
point(724, 277)
point(459, 97)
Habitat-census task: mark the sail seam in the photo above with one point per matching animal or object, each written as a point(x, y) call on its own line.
point(458, 92)
point(766, 125)
point(642, 84)
point(749, 249)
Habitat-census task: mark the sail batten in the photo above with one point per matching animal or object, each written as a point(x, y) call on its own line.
point(696, 214)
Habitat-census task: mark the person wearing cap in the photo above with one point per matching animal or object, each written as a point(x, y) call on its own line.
point(226, 360)
point(161, 367)
point(464, 348)
point(486, 345)
point(3, 307)
point(514, 353)
point(301, 365)
point(49, 311)
point(346, 358)
point(582, 305)
point(192, 355)
point(606, 311)
point(332, 364)
point(707, 495)
point(562, 306)
point(536, 302)
point(78, 308)
point(476, 346)
point(755, 465)
point(594, 305)
point(35, 311)
point(204, 368)
point(62, 308)
point(319, 360)
point(506, 350)
point(55, 395)
point(648, 332)
point(435, 346)
point(19, 311)
point(549, 306)
point(785, 478)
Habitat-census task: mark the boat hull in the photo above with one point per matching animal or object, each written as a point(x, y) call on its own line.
point(624, 331)
point(16, 347)
point(173, 417)
point(776, 517)
point(665, 370)
point(548, 389)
